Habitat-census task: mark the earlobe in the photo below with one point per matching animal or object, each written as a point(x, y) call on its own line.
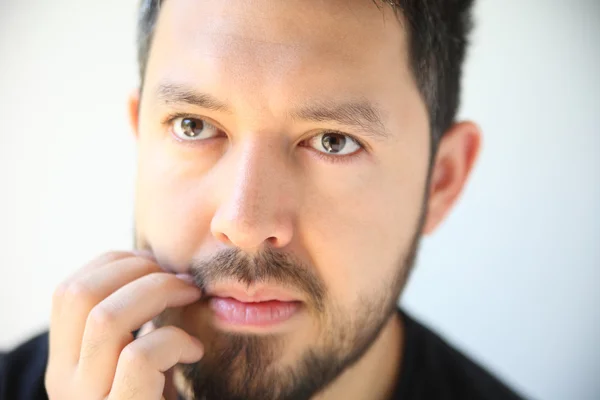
point(454, 161)
point(134, 106)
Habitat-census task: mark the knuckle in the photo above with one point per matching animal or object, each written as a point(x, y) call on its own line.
point(77, 292)
point(133, 356)
point(101, 318)
point(59, 292)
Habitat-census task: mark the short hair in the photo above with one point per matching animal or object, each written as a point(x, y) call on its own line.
point(438, 32)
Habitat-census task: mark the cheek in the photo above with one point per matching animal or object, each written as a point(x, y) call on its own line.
point(359, 229)
point(171, 210)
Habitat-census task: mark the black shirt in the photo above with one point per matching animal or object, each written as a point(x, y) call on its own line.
point(431, 369)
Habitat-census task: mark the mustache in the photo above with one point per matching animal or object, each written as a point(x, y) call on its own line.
point(267, 266)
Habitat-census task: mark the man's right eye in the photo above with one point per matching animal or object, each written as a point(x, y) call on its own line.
point(192, 129)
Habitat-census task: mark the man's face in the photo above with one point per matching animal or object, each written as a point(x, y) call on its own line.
point(283, 149)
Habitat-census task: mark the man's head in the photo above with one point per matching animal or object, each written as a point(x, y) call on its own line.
point(285, 150)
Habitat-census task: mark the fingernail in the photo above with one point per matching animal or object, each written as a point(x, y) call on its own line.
point(186, 278)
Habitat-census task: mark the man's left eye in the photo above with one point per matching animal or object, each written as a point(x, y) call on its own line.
point(334, 144)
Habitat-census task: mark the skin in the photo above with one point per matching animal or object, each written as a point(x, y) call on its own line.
point(261, 180)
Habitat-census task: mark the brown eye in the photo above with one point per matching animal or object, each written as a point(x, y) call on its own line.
point(335, 144)
point(193, 129)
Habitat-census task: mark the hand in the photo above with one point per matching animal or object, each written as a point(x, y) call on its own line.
point(93, 354)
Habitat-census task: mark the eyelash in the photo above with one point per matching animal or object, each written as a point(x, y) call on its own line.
point(344, 159)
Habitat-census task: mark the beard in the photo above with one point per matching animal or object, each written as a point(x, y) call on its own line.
point(239, 366)
point(243, 367)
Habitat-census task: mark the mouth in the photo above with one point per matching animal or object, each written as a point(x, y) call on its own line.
point(237, 307)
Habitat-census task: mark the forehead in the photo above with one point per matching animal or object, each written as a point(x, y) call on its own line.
point(276, 51)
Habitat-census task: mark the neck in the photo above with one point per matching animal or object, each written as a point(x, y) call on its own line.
point(375, 375)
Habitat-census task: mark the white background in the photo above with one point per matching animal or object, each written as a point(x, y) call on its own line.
point(513, 276)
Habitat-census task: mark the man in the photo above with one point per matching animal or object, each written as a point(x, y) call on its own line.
point(291, 155)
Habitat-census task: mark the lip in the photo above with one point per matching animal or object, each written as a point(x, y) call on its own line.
point(266, 315)
point(253, 294)
point(258, 308)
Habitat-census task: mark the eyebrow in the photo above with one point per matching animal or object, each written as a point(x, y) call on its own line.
point(360, 114)
point(178, 94)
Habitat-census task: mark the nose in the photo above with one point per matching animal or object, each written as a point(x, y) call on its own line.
point(254, 209)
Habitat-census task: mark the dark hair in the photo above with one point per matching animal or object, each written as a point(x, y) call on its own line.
point(438, 36)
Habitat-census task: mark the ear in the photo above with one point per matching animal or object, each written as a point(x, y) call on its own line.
point(134, 113)
point(457, 152)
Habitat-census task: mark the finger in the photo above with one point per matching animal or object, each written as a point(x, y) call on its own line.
point(110, 323)
point(100, 261)
point(83, 294)
point(142, 364)
point(59, 292)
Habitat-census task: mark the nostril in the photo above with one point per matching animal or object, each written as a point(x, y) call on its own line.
point(223, 238)
point(272, 241)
